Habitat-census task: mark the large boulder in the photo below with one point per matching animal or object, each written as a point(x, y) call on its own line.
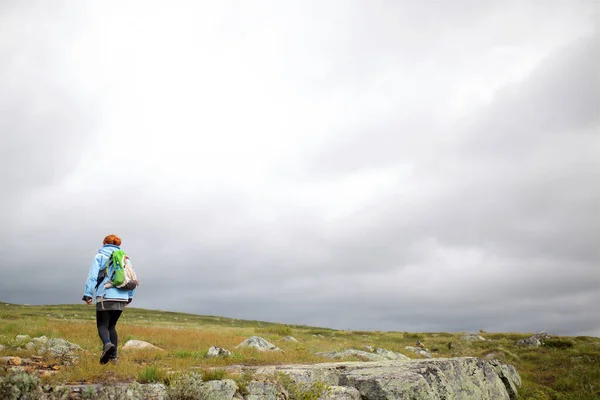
point(536, 340)
point(461, 378)
point(258, 343)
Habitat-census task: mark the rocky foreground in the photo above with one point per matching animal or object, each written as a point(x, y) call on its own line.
point(450, 378)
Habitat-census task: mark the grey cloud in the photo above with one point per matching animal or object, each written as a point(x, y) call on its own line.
point(493, 223)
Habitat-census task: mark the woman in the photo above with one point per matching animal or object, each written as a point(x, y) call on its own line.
point(110, 300)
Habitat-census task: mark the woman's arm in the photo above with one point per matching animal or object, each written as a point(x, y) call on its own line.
point(90, 284)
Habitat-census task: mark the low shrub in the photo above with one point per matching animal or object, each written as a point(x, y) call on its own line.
point(20, 386)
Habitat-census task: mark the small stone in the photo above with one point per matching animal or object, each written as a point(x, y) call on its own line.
point(290, 339)
point(11, 361)
point(139, 344)
point(215, 351)
point(22, 338)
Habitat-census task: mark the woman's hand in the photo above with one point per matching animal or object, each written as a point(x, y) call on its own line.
point(89, 301)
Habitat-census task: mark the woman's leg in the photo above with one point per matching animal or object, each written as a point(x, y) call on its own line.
point(102, 323)
point(112, 329)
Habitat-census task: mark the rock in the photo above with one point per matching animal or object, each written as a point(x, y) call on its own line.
point(290, 339)
point(11, 361)
point(467, 378)
point(390, 355)
point(471, 337)
point(416, 350)
point(155, 391)
point(259, 344)
point(459, 378)
point(362, 355)
point(341, 393)
point(218, 390)
point(536, 340)
point(22, 338)
point(2, 347)
point(39, 340)
point(218, 352)
point(369, 348)
point(139, 344)
point(59, 348)
point(261, 391)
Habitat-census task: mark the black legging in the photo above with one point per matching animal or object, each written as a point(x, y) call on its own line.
point(106, 321)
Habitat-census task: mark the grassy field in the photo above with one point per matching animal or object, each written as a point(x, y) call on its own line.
point(566, 368)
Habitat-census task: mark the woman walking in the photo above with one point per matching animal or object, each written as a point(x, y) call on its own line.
point(110, 300)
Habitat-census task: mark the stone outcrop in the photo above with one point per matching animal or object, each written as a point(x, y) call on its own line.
point(471, 337)
point(376, 355)
point(139, 344)
point(451, 378)
point(536, 340)
point(290, 339)
point(215, 351)
point(258, 343)
point(418, 350)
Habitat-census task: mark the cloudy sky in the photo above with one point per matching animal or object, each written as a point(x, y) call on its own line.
point(380, 165)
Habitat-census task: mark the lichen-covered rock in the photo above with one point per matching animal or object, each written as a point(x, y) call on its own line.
point(471, 337)
point(139, 344)
point(22, 338)
point(348, 353)
point(258, 390)
point(536, 340)
point(390, 355)
point(341, 393)
point(459, 378)
point(59, 348)
point(444, 378)
point(215, 351)
point(419, 351)
point(259, 344)
point(134, 391)
point(290, 339)
point(218, 390)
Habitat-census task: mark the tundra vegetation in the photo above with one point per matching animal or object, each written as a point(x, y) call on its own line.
point(563, 368)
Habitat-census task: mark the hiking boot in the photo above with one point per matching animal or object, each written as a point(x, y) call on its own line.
point(109, 350)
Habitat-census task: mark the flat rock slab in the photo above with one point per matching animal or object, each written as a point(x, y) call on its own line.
point(442, 378)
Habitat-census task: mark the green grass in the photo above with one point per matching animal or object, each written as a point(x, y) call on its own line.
point(567, 368)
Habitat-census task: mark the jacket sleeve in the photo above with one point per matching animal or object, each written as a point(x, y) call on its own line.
point(90, 285)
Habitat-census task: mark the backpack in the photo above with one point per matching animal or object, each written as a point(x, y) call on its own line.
point(120, 272)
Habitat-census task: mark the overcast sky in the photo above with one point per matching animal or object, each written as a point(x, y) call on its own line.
point(377, 165)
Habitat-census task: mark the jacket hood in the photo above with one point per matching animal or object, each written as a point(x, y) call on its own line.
point(108, 249)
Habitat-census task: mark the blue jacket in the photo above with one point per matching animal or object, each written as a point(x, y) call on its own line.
point(112, 293)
